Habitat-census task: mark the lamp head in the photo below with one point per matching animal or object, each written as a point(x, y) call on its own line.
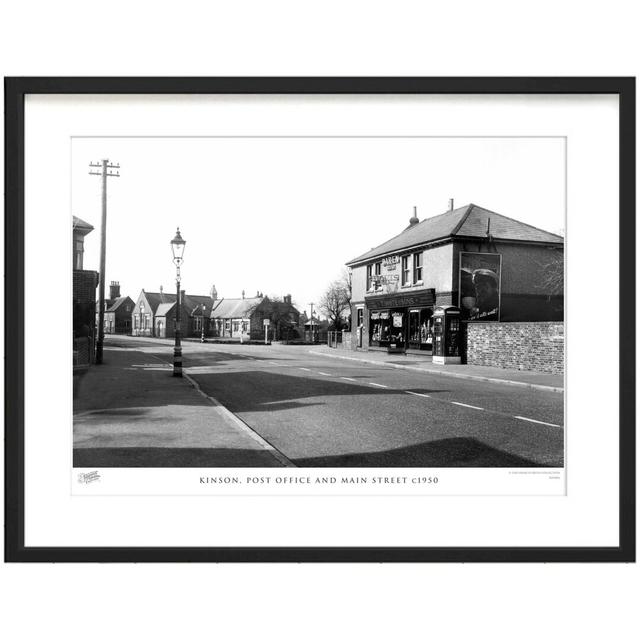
point(177, 247)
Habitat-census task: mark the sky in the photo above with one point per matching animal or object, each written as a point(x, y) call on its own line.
point(283, 215)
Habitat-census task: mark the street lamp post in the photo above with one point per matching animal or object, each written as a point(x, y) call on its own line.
point(202, 321)
point(177, 248)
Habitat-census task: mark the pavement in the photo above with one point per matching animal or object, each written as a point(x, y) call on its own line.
point(527, 379)
point(132, 412)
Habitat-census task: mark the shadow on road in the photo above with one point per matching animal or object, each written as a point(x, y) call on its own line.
point(448, 452)
point(242, 391)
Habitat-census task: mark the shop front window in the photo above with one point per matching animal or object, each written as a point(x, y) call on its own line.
point(380, 327)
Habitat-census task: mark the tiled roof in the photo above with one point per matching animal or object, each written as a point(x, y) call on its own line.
point(155, 299)
point(190, 302)
point(118, 302)
point(235, 307)
point(164, 308)
point(193, 303)
point(468, 221)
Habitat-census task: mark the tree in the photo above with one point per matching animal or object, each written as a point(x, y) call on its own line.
point(284, 317)
point(335, 302)
point(552, 274)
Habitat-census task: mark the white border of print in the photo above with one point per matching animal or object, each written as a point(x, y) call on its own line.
point(586, 516)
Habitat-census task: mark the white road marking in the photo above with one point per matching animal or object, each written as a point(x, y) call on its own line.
point(469, 406)
point(548, 424)
point(422, 395)
point(322, 373)
point(350, 379)
point(375, 384)
point(304, 369)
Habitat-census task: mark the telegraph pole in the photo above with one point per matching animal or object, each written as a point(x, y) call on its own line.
point(105, 170)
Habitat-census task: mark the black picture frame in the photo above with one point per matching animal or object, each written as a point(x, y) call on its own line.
point(15, 91)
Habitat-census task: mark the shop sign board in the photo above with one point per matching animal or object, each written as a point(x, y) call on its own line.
point(390, 262)
point(388, 279)
point(479, 285)
point(425, 298)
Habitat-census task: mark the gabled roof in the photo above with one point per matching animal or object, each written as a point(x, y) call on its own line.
point(236, 307)
point(118, 302)
point(155, 299)
point(190, 302)
point(469, 221)
point(193, 303)
point(81, 227)
point(164, 308)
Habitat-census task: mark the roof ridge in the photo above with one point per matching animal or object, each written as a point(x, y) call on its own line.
point(526, 224)
point(463, 219)
point(415, 226)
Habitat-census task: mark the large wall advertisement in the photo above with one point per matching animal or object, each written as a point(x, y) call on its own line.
point(479, 285)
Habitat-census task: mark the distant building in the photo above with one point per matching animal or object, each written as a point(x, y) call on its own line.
point(240, 317)
point(154, 314)
point(118, 310)
point(233, 317)
point(84, 298)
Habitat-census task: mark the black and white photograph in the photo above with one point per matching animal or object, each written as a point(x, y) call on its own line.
point(356, 318)
point(318, 301)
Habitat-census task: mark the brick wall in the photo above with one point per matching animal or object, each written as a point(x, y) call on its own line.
point(530, 346)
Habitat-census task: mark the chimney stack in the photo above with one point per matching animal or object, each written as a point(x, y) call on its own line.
point(287, 298)
point(450, 204)
point(213, 294)
point(243, 294)
point(414, 219)
point(114, 290)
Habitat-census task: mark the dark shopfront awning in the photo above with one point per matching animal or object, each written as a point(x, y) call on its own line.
point(425, 298)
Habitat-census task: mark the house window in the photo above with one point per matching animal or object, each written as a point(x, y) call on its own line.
point(79, 251)
point(405, 270)
point(417, 267)
point(197, 323)
point(377, 268)
point(369, 274)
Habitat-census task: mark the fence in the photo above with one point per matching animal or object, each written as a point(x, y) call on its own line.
point(339, 340)
point(334, 338)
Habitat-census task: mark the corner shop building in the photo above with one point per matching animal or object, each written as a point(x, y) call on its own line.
point(495, 268)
